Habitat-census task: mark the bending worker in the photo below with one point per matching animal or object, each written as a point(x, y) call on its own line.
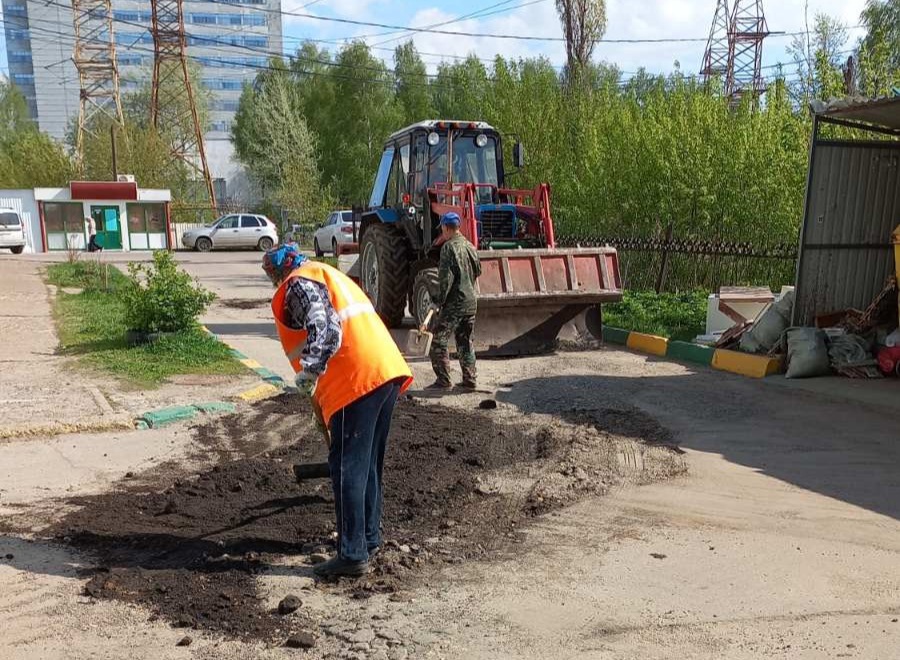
point(458, 269)
point(352, 371)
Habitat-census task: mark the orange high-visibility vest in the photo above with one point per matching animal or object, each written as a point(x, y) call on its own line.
point(367, 358)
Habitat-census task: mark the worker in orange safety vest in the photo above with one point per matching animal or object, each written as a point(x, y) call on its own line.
point(347, 363)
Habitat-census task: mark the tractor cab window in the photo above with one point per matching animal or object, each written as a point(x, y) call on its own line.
point(396, 185)
point(419, 179)
point(381, 179)
point(470, 163)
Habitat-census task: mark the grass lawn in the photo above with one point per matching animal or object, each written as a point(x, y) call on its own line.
point(91, 326)
point(680, 316)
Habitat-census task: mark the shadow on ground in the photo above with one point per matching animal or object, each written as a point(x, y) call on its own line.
point(844, 451)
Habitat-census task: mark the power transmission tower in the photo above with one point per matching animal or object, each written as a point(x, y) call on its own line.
point(716, 58)
point(177, 103)
point(746, 33)
point(98, 74)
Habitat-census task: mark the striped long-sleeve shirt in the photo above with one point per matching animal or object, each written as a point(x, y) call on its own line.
point(309, 308)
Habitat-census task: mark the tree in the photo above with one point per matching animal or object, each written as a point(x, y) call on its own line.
point(272, 139)
point(819, 56)
point(413, 93)
point(365, 113)
point(584, 24)
point(28, 157)
point(879, 50)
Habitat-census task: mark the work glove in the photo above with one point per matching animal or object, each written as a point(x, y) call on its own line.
point(306, 384)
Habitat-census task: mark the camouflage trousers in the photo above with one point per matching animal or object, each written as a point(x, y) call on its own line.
point(460, 327)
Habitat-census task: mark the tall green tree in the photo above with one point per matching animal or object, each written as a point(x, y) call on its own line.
point(28, 157)
point(366, 112)
point(879, 50)
point(413, 93)
point(272, 139)
point(583, 24)
point(819, 56)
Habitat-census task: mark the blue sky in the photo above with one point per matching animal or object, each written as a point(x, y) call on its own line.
point(627, 19)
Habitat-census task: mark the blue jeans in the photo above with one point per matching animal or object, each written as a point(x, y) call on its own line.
point(359, 435)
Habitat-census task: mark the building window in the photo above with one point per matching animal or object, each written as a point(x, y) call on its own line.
point(64, 223)
point(224, 83)
point(16, 10)
point(23, 78)
point(220, 126)
point(18, 34)
point(225, 105)
point(146, 226)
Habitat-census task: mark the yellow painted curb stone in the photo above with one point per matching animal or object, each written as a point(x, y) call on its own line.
point(754, 366)
point(262, 391)
point(652, 344)
point(250, 363)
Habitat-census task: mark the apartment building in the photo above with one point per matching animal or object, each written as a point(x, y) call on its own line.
point(230, 40)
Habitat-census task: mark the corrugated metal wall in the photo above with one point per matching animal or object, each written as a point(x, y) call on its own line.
point(23, 202)
point(845, 248)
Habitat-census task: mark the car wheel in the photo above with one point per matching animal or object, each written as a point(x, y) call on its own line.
point(334, 246)
point(317, 249)
point(18, 249)
point(265, 244)
point(203, 244)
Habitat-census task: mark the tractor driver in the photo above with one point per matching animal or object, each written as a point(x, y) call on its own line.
point(459, 268)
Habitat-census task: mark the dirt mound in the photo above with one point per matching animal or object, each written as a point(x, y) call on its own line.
point(244, 303)
point(458, 485)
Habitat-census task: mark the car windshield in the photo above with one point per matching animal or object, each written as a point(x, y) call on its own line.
point(9, 219)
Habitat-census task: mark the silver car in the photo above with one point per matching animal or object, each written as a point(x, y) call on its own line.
point(12, 231)
point(236, 230)
point(338, 228)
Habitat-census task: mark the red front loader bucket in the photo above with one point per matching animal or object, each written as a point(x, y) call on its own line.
point(529, 299)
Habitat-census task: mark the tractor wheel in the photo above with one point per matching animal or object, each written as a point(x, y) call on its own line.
point(425, 288)
point(384, 271)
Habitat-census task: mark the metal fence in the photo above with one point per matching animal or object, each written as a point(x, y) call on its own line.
point(667, 263)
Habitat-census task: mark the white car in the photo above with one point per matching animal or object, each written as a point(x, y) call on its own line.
point(337, 229)
point(12, 231)
point(236, 230)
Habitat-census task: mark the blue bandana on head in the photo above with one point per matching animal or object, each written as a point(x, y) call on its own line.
point(281, 261)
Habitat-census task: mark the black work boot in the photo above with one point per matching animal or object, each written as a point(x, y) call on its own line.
point(338, 566)
point(439, 385)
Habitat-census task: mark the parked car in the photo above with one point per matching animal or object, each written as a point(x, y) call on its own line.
point(12, 231)
point(338, 228)
point(236, 230)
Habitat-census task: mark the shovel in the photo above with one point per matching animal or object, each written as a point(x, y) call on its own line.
point(418, 341)
point(304, 471)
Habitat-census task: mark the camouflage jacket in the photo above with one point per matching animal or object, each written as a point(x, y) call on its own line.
point(458, 270)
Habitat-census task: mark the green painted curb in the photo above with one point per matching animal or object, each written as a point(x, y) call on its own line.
point(689, 352)
point(214, 407)
point(615, 335)
point(166, 416)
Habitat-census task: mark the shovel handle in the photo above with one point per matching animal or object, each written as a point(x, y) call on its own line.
point(424, 326)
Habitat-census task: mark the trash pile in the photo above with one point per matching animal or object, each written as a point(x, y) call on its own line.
point(852, 343)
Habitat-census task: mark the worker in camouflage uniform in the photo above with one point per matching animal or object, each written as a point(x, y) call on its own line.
point(458, 270)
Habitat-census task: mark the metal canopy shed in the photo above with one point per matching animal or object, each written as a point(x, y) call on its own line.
point(852, 207)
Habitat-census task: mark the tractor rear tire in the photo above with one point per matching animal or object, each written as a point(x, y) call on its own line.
point(384, 271)
point(425, 289)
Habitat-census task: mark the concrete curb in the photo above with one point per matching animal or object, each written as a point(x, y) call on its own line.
point(272, 383)
point(735, 362)
point(158, 418)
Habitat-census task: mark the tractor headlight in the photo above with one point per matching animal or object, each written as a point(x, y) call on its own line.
point(433, 139)
point(480, 140)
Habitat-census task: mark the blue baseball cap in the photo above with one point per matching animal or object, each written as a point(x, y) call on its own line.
point(451, 219)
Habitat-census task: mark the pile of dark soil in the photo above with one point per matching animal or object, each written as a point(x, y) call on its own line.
point(190, 552)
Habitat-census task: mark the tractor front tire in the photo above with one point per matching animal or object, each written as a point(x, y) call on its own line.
point(425, 290)
point(384, 271)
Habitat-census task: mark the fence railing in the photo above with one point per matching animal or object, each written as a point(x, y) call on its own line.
point(668, 263)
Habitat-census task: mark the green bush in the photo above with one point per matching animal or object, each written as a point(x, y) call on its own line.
point(163, 298)
point(674, 315)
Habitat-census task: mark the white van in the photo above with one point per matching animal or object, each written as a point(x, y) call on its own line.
point(12, 231)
